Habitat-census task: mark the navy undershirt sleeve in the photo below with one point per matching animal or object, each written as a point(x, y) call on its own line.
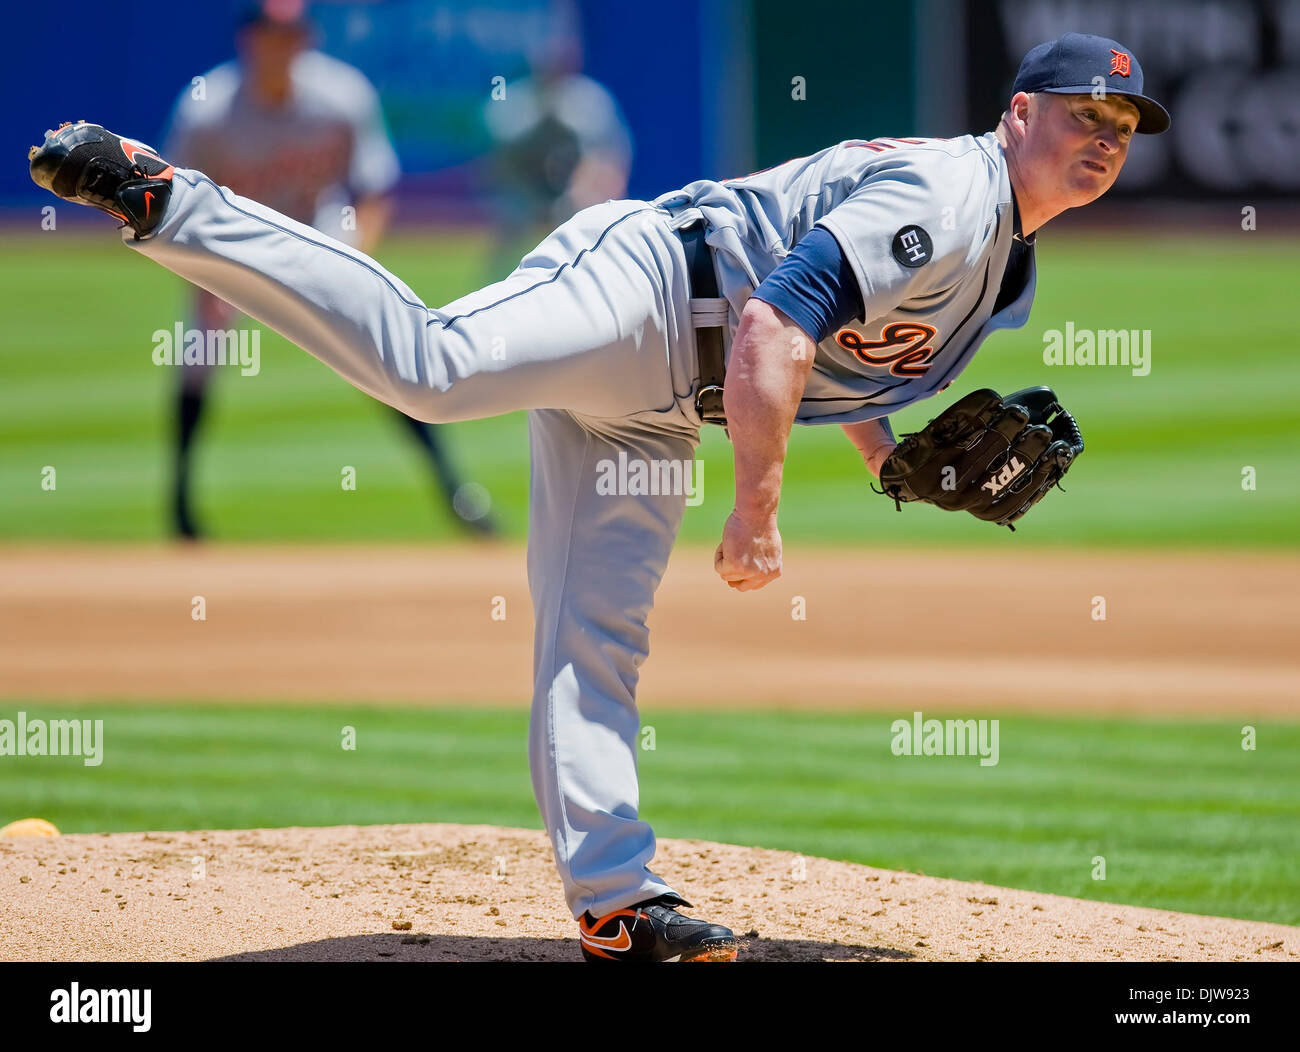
point(815, 286)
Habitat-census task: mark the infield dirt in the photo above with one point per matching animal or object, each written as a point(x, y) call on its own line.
point(1182, 633)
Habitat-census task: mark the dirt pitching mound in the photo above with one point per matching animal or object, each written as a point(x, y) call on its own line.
point(469, 893)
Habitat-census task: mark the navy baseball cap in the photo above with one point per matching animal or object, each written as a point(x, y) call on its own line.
point(1069, 65)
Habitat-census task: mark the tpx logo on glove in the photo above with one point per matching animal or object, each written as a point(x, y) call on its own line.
point(997, 483)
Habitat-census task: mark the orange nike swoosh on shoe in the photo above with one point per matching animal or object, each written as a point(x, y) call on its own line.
point(148, 203)
point(621, 941)
point(132, 148)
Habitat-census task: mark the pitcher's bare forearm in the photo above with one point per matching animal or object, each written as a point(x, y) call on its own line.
point(766, 376)
point(874, 439)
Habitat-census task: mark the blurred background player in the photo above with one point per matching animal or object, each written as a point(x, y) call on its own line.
point(560, 144)
point(285, 124)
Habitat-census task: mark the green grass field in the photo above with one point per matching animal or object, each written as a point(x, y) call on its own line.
point(1163, 465)
point(1185, 819)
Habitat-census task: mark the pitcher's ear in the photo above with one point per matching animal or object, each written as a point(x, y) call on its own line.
point(1022, 105)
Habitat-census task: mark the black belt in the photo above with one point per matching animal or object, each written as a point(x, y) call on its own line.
point(709, 340)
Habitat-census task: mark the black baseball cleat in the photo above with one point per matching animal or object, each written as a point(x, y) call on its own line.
point(88, 164)
point(653, 931)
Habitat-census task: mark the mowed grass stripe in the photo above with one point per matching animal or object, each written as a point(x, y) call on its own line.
point(1184, 817)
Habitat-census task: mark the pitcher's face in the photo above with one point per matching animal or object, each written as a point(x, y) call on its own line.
point(1077, 144)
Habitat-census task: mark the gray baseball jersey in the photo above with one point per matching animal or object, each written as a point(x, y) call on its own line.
point(326, 145)
point(592, 334)
point(926, 225)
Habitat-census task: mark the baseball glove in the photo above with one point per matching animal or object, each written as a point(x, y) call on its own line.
point(991, 456)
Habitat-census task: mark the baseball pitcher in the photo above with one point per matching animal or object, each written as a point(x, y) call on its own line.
point(832, 289)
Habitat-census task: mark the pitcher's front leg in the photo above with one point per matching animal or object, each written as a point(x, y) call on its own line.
point(595, 559)
point(586, 336)
point(580, 325)
point(336, 303)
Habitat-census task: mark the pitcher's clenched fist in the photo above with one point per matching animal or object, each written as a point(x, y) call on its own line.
point(749, 555)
